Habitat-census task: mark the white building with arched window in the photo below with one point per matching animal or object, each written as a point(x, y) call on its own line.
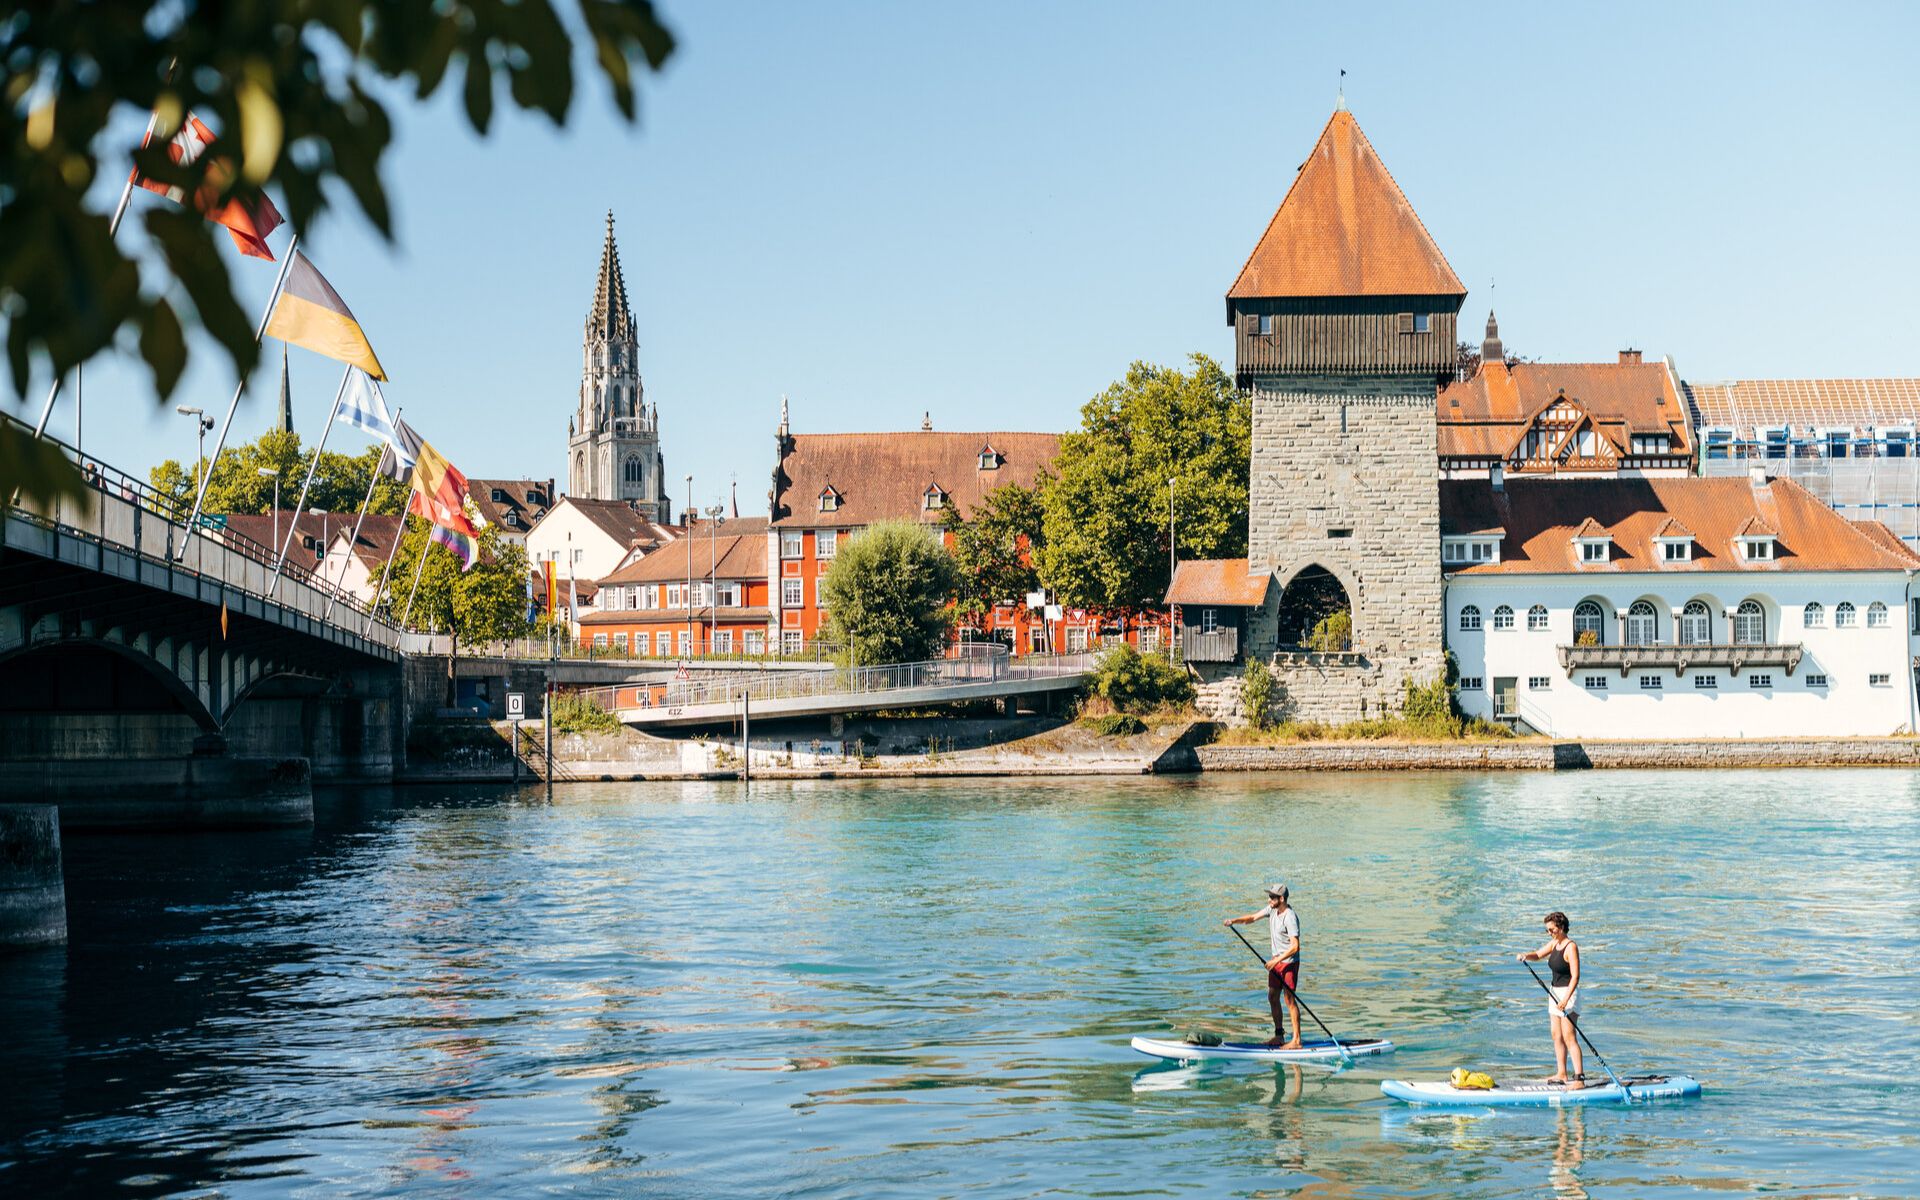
point(1663, 608)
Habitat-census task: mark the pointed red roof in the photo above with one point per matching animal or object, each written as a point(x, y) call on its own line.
point(1345, 229)
point(1591, 528)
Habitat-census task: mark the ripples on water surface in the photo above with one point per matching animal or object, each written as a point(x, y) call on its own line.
point(847, 989)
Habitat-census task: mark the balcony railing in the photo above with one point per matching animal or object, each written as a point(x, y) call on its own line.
point(1681, 659)
point(1209, 645)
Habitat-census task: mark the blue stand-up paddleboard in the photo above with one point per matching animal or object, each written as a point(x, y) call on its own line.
point(1315, 1050)
point(1541, 1093)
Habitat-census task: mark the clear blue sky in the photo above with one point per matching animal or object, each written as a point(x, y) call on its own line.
point(987, 211)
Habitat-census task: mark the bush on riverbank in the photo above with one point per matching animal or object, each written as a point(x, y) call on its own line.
point(1138, 683)
point(1114, 724)
point(575, 713)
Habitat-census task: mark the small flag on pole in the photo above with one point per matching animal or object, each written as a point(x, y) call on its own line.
point(440, 495)
point(248, 226)
point(364, 408)
point(309, 313)
point(223, 617)
point(401, 454)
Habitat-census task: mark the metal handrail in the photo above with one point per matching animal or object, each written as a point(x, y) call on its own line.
point(849, 681)
point(115, 484)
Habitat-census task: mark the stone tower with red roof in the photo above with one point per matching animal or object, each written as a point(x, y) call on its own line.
point(1345, 319)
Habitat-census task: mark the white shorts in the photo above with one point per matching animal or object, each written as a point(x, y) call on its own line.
point(1554, 1006)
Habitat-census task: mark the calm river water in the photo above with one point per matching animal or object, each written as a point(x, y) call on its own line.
point(885, 989)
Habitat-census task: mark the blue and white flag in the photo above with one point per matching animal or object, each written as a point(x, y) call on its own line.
point(365, 408)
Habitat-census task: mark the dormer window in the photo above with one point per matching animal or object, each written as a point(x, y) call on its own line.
point(829, 500)
point(1595, 550)
point(1471, 549)
point(1675, 550)
point(508, 518)
point(1650, 443)
point(934, 498)
point(1757, 549)
point(990, 459)
point(499, 496)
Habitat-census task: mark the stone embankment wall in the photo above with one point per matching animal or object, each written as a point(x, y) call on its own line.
point(1332, 688)
point(1561, 756)
point(33, 897)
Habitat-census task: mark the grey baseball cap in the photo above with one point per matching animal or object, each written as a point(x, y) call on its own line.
point(1277, 889)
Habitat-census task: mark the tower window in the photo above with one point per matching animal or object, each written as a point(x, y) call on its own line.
point(1422, 323)
point(633, 468)
point(1266, 324)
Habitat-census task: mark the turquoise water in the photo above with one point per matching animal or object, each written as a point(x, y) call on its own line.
point(848, 989)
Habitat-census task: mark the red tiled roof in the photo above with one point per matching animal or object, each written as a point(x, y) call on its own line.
point(672, 616)
point(1542, 516)
point(1671, 528)
point(740, 555)
point(618, 520)
point(885, 476)
point(261, 528)
point(527, 499)
point(1805, 404)
point(1345, 229)
point(1217, 581)
point(1487, 415)
point(1888, 540)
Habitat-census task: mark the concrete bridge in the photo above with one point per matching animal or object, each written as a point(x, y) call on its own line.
point(140, 662)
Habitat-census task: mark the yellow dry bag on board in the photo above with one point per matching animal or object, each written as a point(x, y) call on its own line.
point(1473, 1080)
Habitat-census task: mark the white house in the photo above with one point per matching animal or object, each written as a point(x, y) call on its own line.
point(1661, 608)
point(598, 535)
point(352, 568)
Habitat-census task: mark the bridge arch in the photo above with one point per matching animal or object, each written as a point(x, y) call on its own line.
point(82, 675)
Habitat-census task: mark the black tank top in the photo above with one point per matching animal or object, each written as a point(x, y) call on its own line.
point(1557, 962)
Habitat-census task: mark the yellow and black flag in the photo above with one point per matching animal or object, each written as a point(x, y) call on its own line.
point(311, 314)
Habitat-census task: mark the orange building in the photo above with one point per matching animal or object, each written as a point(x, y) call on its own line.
point(829, 486)
point(646, 609)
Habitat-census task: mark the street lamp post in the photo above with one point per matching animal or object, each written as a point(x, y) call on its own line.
point(201, 424)
point(274, 472)
point(687, 515)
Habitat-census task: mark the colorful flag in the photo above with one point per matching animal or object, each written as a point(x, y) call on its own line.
point(440, 495)
point(400, 455)
point(310, 313)
point(249, 226)
point(553, 589)
point(364, 408)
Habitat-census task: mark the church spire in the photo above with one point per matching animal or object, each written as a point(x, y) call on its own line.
point(1491, 351)
point(610, 317)
point(286, 393)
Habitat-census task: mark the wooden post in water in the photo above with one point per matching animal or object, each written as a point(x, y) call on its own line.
point(746, 738)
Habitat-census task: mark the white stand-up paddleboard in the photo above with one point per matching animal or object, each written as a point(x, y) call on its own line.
point(1314, 1050)
point(1541, 1093)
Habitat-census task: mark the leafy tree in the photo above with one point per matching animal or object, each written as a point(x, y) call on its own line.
point(889, 594)
point(1104, 521)
point(994, 547)
point(291, 90)
point(1137, 683)
point(486, 603)
point(236, 485)
point(1256, 693)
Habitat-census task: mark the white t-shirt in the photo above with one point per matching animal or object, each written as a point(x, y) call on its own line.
point(1285, 927)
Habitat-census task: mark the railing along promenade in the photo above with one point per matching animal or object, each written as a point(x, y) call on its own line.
point(121, 513)
point(983, 669)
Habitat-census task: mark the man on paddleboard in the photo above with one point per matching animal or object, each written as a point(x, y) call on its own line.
point(1283, 968)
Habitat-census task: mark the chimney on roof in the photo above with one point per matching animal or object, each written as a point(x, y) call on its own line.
point(1630, 357)
point(926, 422)
point(1491, 351)
point(1497, 478)
point(1757, 476)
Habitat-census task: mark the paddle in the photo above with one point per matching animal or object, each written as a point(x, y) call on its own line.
point(1581, 1034)
point(1344, 1053)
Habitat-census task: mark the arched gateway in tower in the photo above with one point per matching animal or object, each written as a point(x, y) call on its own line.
point(613, 439)
point(1344, 321)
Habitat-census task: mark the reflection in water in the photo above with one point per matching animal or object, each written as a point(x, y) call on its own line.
point(898, 988)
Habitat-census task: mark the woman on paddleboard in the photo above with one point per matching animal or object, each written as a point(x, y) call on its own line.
point(1283, 968)
point(1563, 961)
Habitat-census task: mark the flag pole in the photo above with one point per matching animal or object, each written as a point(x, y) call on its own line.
point(373, 481)
point(300, 506)
point(392, 552)
point(113, 227)
point(426, 544)
point(259, 331)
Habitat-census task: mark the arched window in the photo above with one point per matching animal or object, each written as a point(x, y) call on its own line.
point(1503, 617)
point(1843, 615)
point(1589, 620)
point(633, 468)
point(1696, 624)
point(1750, 623)
point(1470, 617)
point(1537, 617)
point(1876, 615)
point(1643, 627)
point(1814, 616)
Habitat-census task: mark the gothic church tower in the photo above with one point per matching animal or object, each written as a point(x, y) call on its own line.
point(1344, 321)
point(613, 440)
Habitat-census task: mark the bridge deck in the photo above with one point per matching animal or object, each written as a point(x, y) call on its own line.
point(824, 693)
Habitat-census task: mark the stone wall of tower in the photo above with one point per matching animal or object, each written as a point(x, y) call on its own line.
point(1343, 477)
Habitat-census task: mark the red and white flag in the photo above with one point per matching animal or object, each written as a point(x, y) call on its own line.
point(249, 225)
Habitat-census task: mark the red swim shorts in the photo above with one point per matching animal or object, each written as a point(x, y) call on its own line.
point(1287, 975)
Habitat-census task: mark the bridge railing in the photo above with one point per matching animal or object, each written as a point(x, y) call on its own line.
point(125, 512)
point(988, 664)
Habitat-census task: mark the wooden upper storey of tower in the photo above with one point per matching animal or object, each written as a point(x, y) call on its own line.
point(1346, 278)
